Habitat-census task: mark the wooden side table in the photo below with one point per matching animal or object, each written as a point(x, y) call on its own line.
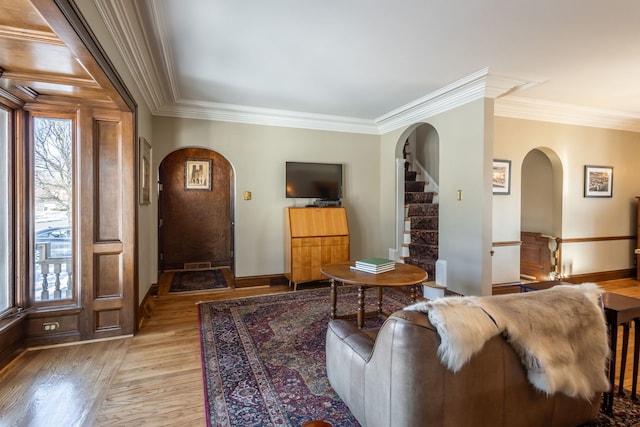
point(402, 275)
point(620, 310)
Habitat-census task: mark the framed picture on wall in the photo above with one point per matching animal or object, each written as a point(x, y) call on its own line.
point(502, 176)
point(598, 181)
point(144, 172)
point(197, 174)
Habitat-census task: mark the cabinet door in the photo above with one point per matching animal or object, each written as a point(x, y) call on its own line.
point(337, 249)
point(306, 255)
point(340, 253)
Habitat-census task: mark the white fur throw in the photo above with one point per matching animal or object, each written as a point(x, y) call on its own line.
point(560, 334)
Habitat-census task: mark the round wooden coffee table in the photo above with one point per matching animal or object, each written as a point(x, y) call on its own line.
point(402, 275)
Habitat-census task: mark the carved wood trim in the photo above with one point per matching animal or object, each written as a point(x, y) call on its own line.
point(595, 239)
point(507, 243)
point(47, 37)
point(28, 78)
point(601, 276)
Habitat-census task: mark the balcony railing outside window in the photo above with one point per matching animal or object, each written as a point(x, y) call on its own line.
point(53, 184)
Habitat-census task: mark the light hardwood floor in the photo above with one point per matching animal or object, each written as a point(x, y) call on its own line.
point(151, 379)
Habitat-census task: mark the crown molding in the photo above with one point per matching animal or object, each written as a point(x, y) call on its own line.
point(547, 111)
point(480, 84)
point(122, 19)
point(267, 117)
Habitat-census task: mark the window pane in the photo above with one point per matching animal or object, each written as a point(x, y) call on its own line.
point(52, 180)
point(5, 218)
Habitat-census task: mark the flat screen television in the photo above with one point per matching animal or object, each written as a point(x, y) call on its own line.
point(313, 180)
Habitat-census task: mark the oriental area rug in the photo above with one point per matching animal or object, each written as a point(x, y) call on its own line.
point(264, 363)
point(192, 281)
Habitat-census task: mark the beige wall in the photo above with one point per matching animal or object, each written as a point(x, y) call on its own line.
point(575, 147)
point(468, 138)
point(465, 164)
point(258, 154)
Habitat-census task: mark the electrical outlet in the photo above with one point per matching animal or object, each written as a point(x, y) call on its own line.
point(50, 326)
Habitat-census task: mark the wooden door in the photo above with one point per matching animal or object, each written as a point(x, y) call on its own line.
point(107, 224)
point(195, 215)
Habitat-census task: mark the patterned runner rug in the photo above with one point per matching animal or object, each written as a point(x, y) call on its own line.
point(191, 281)
point(264, 362)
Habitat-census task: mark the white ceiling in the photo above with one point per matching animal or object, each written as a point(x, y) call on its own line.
point(371, 65)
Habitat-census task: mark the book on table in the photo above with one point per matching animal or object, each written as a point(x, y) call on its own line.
point(375, 265)
point(371, 270)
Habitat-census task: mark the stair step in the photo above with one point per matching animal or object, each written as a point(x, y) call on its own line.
point(424, 237)
point(423, 209)
point(420, 197)
point(423, 223)
point(414, 186)
point(428, 265)
point(410, 175)
point(423, 251)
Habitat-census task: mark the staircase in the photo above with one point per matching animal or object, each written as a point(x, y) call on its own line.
point(420, 246)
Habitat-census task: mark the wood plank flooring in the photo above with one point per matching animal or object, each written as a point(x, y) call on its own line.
point(151, 379)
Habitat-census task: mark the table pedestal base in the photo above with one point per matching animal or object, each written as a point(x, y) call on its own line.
point(361, 314)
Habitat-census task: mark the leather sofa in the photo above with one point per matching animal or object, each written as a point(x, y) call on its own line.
point(394, 378)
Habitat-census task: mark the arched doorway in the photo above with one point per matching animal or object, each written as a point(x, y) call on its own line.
point(195, 211)
point(541, 215)
point(418, 170)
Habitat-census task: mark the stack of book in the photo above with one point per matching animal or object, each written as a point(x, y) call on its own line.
point(374, 265)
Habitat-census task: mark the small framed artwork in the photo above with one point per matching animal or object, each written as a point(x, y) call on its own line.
point(144, 172)
point(197, 174)
point(502, 176)
point(598, 181)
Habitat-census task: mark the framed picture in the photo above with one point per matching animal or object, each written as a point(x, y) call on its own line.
point(598, 181)
point(144, 172)
point(197, 174)
point(502, 176)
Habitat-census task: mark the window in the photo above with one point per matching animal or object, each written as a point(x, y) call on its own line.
point(53, 209)
point(6, 242)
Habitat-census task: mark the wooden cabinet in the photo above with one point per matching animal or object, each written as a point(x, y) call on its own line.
point(314, 237)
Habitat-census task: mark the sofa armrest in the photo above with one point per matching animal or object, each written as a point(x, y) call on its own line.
point(357, 340)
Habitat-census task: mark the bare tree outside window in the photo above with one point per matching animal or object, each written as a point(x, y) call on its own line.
point(53, 163)
point(53, 201)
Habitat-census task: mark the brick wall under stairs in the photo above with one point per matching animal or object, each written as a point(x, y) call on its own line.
point(420, 246)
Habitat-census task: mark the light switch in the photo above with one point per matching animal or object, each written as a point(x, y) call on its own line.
point(246, 195)
point(459, 195)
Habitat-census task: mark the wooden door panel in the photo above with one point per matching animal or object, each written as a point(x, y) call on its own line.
point(535, 257)
point(108, 197)
point(107, 228)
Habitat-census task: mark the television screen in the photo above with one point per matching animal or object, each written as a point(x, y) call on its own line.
point(313, 180)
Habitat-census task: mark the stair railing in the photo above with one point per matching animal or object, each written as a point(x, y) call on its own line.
point(431, 184)
point(395, 253)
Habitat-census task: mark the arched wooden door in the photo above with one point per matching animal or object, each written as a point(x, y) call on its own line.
point(195, 210)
